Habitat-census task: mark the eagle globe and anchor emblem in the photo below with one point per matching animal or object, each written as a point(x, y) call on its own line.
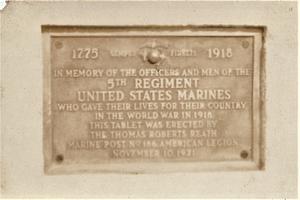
point(154, 53)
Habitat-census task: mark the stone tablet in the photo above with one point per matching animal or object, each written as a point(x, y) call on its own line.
point(152, 99)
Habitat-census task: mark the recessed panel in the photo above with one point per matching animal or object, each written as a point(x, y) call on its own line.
point(152, 99)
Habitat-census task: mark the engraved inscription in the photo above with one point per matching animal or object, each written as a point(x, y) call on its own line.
point(157, 99)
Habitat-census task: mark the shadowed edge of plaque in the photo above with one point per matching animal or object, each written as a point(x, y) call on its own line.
point(53, 167)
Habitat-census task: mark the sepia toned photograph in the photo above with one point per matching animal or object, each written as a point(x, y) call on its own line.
point(149, 99)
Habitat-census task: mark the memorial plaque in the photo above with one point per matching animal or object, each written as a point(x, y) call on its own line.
point(152, 99)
